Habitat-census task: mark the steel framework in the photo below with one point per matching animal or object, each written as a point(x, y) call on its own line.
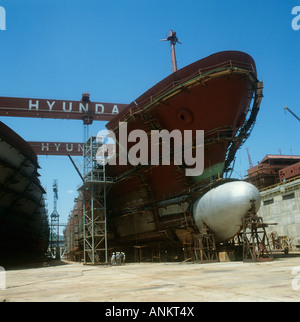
point(205, 247)
point(95, 188)
point(256, 246)
point(54, 225)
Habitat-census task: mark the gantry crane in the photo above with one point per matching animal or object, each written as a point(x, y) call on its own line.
point(249, 158)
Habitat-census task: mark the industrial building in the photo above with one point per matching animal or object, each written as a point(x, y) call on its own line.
point(273, 169)
point(280, 205)
point(278, 179)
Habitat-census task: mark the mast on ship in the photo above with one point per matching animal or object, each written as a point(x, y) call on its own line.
point(173, 41)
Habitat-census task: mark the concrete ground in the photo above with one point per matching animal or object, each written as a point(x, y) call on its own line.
point(278, 280)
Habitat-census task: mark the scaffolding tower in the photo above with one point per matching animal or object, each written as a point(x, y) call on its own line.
point(95, 188)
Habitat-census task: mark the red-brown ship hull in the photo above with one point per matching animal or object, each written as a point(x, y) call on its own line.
point(216, 104)
point(152, 204)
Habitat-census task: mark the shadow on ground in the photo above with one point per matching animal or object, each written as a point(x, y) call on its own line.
point(27, 264)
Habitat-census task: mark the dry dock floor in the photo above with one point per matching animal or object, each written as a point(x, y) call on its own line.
point(274, 281)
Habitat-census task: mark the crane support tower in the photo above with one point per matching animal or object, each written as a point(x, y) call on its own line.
point(94, 190)
point(54, 226)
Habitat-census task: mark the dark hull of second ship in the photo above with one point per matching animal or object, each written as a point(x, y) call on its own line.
point(24, 228)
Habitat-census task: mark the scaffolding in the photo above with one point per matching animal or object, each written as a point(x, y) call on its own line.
point(188, 246)
point(256, 246)
point(205, 247)
point(95, 188)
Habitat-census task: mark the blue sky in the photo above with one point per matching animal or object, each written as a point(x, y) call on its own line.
point(59, 49)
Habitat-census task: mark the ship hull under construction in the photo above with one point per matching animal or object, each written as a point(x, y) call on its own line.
point(24, 229)
point(153, 204)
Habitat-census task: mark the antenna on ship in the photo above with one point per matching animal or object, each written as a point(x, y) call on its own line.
point(173, 40)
